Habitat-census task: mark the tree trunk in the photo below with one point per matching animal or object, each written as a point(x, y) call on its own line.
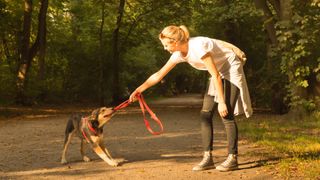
point(277, 89)
point(27, 52)
point(269, 20)
point(115, 57)
point(25, 60)
point(101, 58)
point(285, 10)
point(42, 32)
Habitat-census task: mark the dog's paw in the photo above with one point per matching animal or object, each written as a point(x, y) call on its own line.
point(63, 161)
point(86, 159)
point(114, 163)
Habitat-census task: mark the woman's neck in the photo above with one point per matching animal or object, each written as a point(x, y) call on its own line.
point(184, 49)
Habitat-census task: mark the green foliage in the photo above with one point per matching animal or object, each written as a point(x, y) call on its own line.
point(141, 52)
point(74, 60)
point(7, 84)
point(73, 49)
point(141, 62)
point(240, 23)
point(9, 28)
point(299, 53)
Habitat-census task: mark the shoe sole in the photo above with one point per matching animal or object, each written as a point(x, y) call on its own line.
point(227, 169)
point(205, 168)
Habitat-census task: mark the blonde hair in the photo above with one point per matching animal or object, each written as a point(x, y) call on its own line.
point(178, 34)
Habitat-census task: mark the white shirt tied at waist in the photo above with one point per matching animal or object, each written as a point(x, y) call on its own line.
point(228, 65)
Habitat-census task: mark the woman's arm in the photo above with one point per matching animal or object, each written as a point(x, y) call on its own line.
point(208, 61)
point(153, 79)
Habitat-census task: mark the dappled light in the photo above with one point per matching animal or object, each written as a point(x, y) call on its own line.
point(254, 63)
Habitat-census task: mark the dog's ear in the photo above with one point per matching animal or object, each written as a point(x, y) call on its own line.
point(95, 114)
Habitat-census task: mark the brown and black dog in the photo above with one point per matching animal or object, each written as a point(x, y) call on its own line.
point(89, 129)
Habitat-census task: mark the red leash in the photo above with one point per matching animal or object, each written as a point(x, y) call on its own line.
point(85, 120)
point(144, 107)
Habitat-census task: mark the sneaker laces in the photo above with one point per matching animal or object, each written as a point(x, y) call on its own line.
point(206, 159)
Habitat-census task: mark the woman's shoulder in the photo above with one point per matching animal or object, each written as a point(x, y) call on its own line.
point(200, 40)
point(176, 57)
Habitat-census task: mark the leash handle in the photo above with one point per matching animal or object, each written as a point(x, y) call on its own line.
point(144, 107)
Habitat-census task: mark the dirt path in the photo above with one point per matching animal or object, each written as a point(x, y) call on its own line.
point(30, 147)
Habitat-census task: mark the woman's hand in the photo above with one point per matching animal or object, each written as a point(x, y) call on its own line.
point(241, 55)
point(133, 95)
point(222, 108)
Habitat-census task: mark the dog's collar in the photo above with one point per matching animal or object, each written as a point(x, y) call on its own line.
point(88, 127)
point(88, 124)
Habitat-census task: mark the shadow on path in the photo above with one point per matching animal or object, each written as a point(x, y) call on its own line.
point(33, 146)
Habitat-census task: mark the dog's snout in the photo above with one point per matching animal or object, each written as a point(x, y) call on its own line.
point(110, 113)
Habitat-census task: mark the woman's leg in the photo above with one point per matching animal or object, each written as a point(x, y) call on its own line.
point(232, 136)
point(206, 133)
point(206, 115)
point(231, 93)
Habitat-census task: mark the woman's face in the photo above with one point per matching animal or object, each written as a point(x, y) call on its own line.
point(169, 45)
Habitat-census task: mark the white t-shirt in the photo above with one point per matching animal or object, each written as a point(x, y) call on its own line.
point(227, 63)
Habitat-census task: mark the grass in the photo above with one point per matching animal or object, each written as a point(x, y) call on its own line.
point(295, 143)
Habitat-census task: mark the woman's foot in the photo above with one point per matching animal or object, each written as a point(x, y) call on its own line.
point(206, 163)
point(231, 163)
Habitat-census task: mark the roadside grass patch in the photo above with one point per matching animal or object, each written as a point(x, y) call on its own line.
point(295, 142)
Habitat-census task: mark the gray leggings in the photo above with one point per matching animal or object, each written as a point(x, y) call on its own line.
point(231, 94)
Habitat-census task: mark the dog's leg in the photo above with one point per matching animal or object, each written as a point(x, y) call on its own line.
point(106, 150)
point(65, 147)
point(82, 150)
point(103, 147)
point(101, 153)
point(107, 153)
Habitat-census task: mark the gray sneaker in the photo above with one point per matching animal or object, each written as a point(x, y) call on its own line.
point(231, 163)
point(206, 163)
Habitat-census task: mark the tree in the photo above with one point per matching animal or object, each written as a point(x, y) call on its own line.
point(41, 40)
point(274, 11)
point(115, 53)
point(27, 52)
point(101, 56)
point(291, 28)
point(298, 38)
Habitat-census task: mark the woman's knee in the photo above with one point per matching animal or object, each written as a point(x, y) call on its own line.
point(206, 115)
point(229, 122)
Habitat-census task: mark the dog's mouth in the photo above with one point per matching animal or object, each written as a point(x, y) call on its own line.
point(110, 114)
point(107, 115)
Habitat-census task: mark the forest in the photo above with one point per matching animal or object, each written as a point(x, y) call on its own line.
point(99, 51)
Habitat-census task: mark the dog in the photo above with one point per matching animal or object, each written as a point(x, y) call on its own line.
point(89, 129)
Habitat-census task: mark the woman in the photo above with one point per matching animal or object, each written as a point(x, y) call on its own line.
point(227, 89)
